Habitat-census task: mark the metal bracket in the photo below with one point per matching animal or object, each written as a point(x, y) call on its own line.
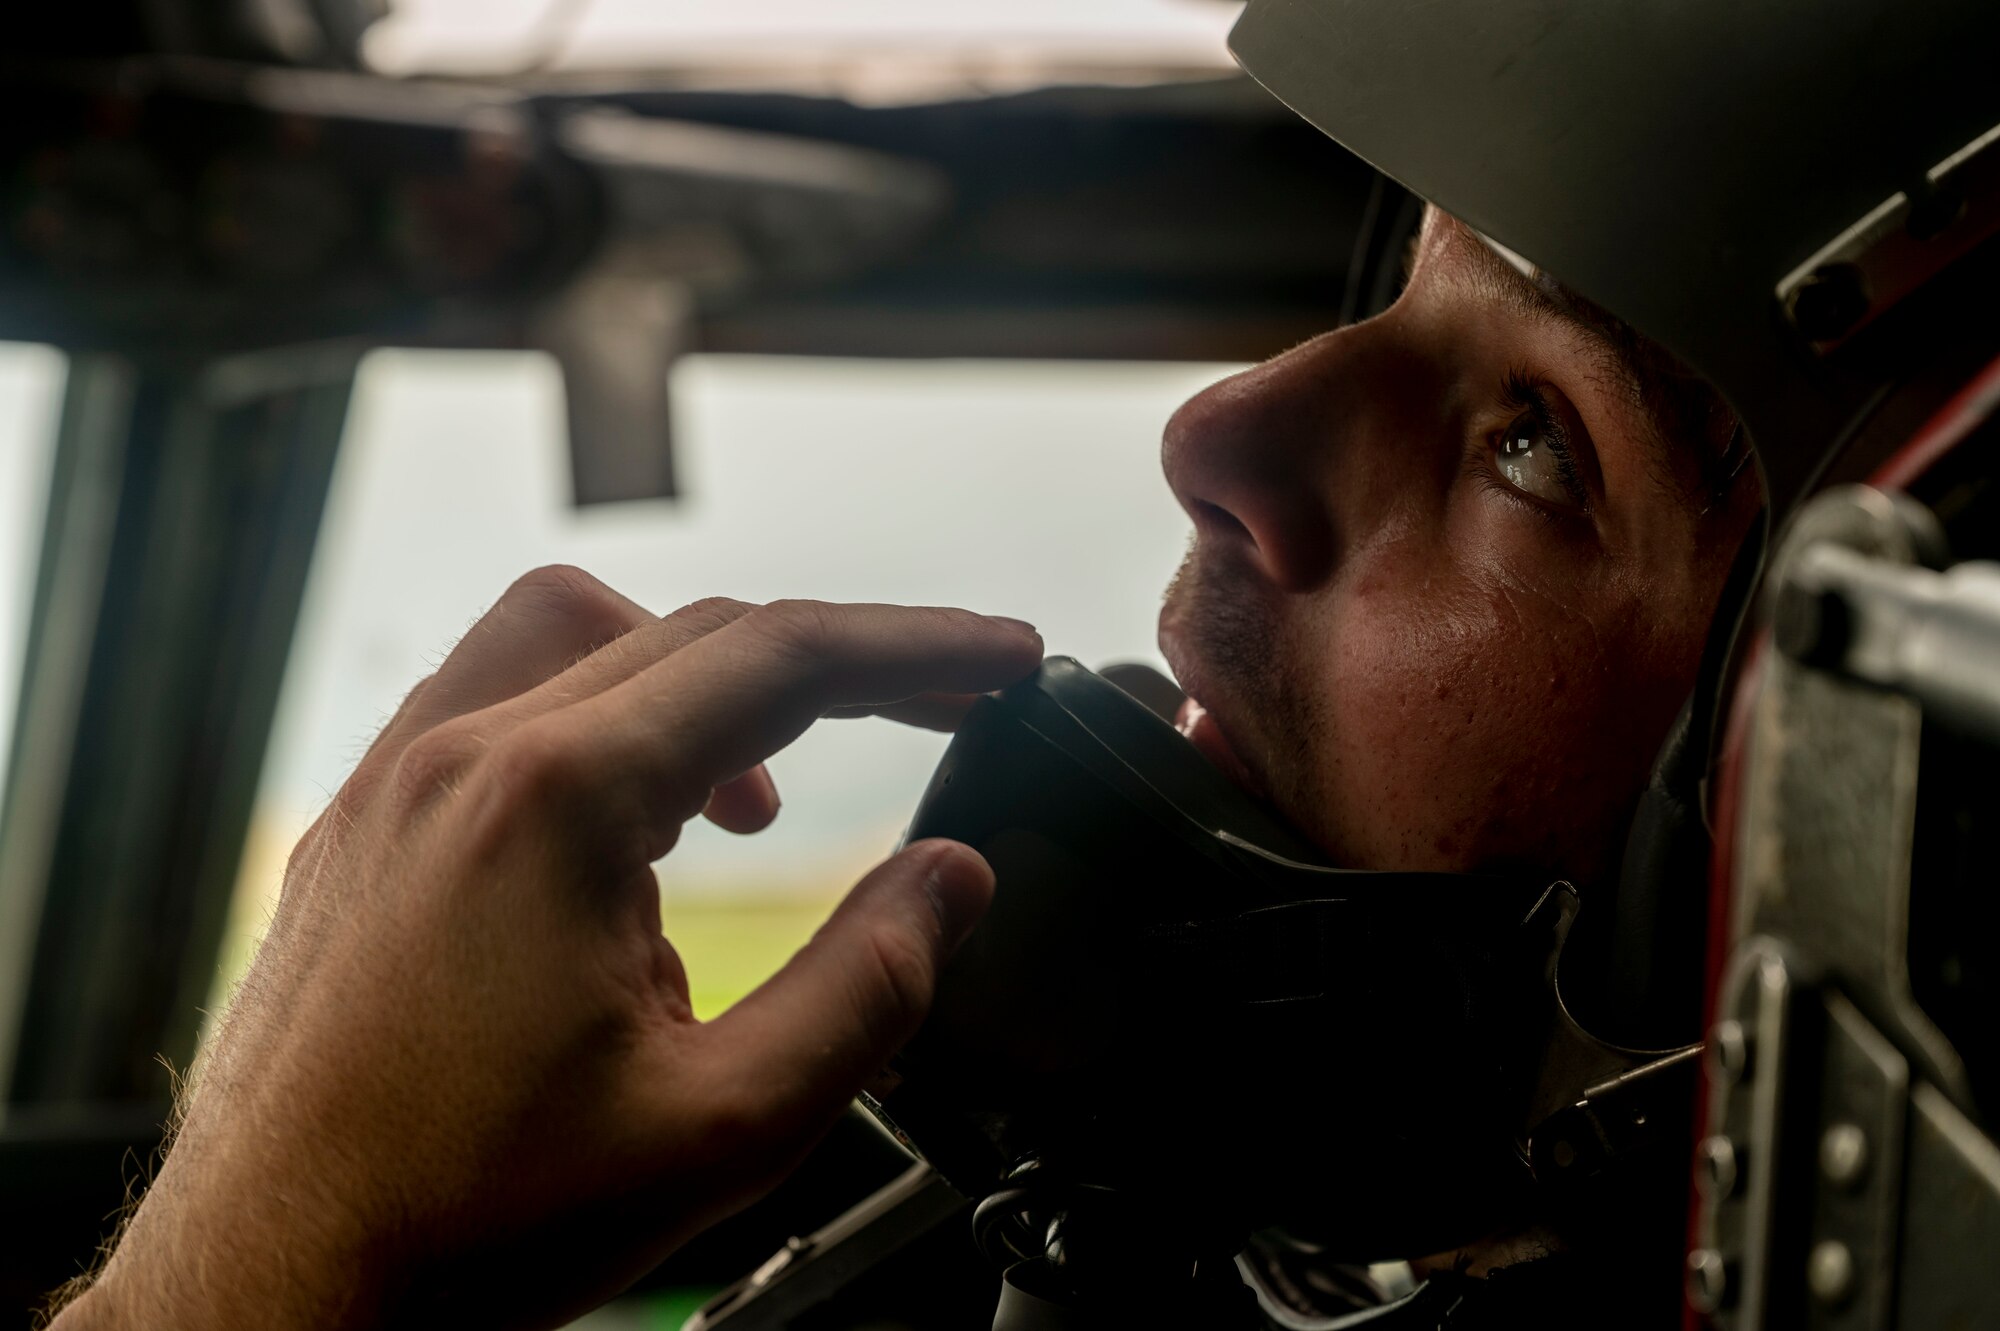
point(808, 1271)
point(1591, 1102)
point(1932, 636)
point(1896, 247)
point(1729, 1274)
point(1830, 1166)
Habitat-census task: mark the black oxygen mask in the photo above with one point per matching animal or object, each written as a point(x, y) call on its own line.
point(1177, 1001)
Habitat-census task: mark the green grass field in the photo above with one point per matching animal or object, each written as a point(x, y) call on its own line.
point(730, 945)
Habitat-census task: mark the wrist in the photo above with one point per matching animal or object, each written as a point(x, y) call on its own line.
point(226, 1257)
point(211, 1291)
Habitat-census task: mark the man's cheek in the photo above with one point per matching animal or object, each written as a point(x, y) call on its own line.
point(1468, 717)
point(1412, 701)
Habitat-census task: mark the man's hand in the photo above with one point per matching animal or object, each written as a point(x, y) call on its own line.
point(462, 1084)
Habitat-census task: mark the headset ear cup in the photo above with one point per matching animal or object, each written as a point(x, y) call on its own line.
point(1631, 970)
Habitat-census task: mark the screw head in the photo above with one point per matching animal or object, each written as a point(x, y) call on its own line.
point(1708, 1288)
point(1830, 1272)
point(1843, 1154)
point(1829, 302)
point(1729, 1052)
point(1718, 1173)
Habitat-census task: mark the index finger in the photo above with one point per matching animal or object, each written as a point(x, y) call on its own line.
point(926, 711)
point(646, 753)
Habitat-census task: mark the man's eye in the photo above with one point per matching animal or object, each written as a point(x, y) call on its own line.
point(1531, 458)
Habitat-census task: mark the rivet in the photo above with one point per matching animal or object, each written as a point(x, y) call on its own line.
point(1707, 1281)
point(1729, 1052)
point(1830, 1272)
point(1843, 1154)
point(1718, 1173)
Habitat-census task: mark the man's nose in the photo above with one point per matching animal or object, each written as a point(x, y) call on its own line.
point(1247, 459)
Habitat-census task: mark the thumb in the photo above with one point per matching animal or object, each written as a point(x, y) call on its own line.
point(806, 1039)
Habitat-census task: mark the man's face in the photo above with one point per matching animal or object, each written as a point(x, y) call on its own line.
point(1452, 571)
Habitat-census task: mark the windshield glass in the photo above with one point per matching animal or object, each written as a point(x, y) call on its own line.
point(884, 50)
point(1023, 488)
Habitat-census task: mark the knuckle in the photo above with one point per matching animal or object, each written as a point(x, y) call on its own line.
point(710, 613)
point(806, 627)
point(432, 764)
point(531, 768)
point(557, 583)
point(525, 786)
point(569, 595)
point(690, 624)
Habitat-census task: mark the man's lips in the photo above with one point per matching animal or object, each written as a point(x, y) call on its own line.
point(1202, 727)
point(1205, 733)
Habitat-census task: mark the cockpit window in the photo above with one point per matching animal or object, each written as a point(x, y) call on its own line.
point(1023, 488)
point(31, 380)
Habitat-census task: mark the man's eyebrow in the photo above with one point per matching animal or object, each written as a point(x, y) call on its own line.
point(1678, 410)
point(1544, 299)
